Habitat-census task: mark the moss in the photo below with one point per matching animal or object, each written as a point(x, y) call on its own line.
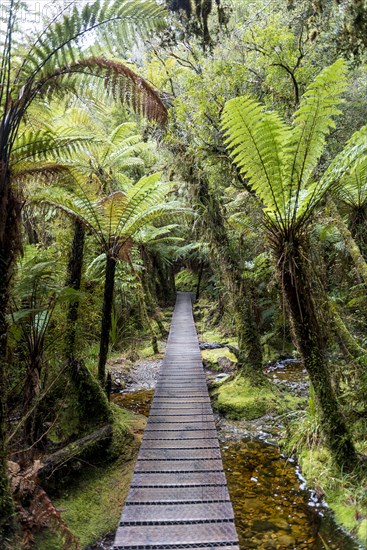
point(362, 532)
point(91, 507)
point(239, 399)
point(344, 493)
point(211, 357)
point(289, 402)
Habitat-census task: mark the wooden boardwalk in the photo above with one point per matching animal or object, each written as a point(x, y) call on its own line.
point(178, 495)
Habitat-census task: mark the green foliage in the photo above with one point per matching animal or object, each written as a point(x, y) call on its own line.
point(279, 160)
point(115, 219)
point(185, 281)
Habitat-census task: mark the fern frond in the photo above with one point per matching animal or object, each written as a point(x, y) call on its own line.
point(61, 41)
point(353, 153)
point(255, 138)
point(119, 80)
point(353, 186)
point(312, 123)
point(43, 145)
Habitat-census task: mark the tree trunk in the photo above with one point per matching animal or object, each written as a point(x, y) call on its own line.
point(146, 321)
point(74, 276)
point(348, 343)
point(75, 450)
point(147, 282)
point(166, 291)
point(350, 243)
point(92, 402)
point(32, 387)
point(296, 280)
point(106, 318)
point(9, 247)
point(358, 227)
point(200, 276)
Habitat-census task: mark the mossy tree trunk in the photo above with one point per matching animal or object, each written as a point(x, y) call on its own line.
point(200, 276)
point(358, 227)
point(231, 275)
point(92, 402)
point(74, 277)
point(147, 281)
point(165, 290)
point(294, 270)
point(106, 318)
point(348, 343)
point(350, 244)
point(9, 246)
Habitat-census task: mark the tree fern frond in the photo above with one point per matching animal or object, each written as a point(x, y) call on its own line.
point(56, 44)
point(353, 153)
point(255, 139)
point(123, 84)
point(353, 186)
point(43, 145)
point(47, 173)
point(312, 122)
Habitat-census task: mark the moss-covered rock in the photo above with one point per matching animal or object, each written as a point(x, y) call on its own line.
point(219, 360)
point(238, 398)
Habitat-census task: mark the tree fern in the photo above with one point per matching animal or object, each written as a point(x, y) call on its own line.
point(279, 160)
point(117, 216)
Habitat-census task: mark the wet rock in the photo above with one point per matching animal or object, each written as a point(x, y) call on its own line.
point(286, 541)
point(211, 345)
point(225, 364)
point(117, 385)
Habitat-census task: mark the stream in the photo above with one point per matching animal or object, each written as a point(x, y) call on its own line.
point(273, 507)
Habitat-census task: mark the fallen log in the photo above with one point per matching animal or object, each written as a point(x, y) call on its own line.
point(78, 449)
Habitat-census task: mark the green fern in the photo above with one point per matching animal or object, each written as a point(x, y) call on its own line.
point(118, 217)
point(278, 159)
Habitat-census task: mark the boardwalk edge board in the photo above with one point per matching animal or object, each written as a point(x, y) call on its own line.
point(178, 495)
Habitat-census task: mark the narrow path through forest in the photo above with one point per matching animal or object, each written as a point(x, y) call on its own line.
point(179, 495)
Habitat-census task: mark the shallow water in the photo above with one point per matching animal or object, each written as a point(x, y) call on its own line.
point(272, 506)
point(137, 401)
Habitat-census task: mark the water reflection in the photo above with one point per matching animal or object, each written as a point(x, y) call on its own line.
point(137, 401)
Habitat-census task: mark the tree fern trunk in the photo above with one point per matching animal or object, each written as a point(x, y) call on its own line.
point(166, 291)
point(200, 276)
point(358, 227)
point(92, 402)
point(147, 281)
point(296, 280)
point(9, 246)
point(348, 343)
point(74, 276)
point(106, 318)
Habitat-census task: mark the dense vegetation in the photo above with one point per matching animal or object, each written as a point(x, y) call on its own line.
point(221, 144)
